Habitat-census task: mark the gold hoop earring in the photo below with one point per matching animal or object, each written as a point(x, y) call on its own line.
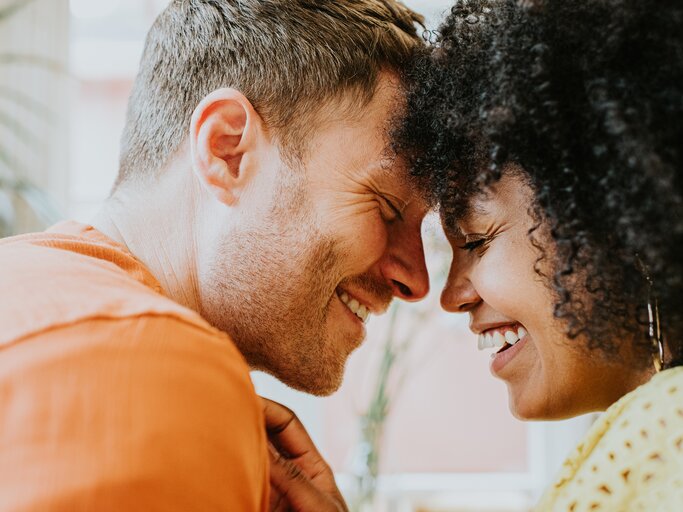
point(654, 320)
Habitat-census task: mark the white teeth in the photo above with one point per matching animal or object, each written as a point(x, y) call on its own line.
point(498, 340)
point(485, 341)
point(361, 311)
point(511, 337)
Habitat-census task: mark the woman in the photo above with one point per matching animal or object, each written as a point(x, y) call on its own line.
point(550, 134)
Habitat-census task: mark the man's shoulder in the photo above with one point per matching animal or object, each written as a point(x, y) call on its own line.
point(152, 403)
point(136, 358)
point(148, 350)
point(53, 280)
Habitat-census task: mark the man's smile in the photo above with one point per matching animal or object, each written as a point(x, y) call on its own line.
point(359, 309)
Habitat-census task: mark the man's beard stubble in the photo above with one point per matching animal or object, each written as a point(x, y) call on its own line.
point(271, 290)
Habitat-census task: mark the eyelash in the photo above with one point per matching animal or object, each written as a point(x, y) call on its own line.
point(392, 207)
point(474, 244)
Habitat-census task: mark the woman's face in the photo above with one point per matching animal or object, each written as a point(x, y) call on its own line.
point(492, 277)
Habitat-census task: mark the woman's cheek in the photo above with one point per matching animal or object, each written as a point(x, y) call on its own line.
point(502, 282)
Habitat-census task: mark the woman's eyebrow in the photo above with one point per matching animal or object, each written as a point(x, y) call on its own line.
point(476, 208)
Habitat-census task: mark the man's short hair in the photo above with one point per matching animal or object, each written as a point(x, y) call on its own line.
point(288, 57)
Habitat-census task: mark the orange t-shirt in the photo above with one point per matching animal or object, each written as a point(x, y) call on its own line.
point(112, 396)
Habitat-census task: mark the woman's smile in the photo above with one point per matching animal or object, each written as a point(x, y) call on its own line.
point(505, 355)
point(511, 310)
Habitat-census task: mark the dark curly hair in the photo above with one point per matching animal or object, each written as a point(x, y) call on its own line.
point(586, 97)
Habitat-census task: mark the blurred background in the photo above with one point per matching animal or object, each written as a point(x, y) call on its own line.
point(419, 424)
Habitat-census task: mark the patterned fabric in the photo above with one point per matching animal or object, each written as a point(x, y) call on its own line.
point(632, 457)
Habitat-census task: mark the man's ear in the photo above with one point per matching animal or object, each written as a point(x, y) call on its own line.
point(223, 129)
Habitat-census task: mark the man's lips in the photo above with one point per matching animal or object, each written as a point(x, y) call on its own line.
point(361, 310)
point(356, 300)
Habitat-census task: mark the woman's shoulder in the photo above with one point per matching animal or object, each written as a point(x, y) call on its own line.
point(650, 414)
point(633, 455)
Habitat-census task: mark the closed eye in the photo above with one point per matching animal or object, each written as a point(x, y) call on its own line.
point(396, 212)
point(473, 242)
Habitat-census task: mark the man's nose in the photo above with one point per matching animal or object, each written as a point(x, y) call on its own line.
point(459, 295)
point(403, 265)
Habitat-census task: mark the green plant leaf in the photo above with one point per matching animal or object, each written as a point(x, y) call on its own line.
point(10, 9)
point(39, 202)
point(13, 180)
point(11, 165)
point(18, 129)
point(32, 60)
point(27, 102)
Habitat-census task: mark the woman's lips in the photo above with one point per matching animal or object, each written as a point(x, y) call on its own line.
point(498, 337)
point(501, 359)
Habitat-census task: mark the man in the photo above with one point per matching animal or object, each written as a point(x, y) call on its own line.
point(258, 219)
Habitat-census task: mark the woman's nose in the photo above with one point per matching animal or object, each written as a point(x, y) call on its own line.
point(459, 295)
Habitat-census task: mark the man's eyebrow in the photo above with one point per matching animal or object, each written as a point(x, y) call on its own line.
point(397, 174)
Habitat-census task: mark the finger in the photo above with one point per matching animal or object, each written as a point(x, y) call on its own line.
point(285, 427)
point(292, 442)
point(295, 488)
point(276, 502)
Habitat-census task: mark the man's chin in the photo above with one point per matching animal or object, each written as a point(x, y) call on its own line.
point(318, 382)
point(317, 386)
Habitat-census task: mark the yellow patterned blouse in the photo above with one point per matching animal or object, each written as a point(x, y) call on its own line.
point(632, 457)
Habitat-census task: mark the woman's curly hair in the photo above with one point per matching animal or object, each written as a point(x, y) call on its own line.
point(586, 97)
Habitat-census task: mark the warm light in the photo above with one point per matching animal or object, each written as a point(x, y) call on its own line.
point(85, 9)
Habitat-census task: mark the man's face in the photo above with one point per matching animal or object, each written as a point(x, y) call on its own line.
point(341, 238)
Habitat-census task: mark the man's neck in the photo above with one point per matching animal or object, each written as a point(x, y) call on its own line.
point(148, 224)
